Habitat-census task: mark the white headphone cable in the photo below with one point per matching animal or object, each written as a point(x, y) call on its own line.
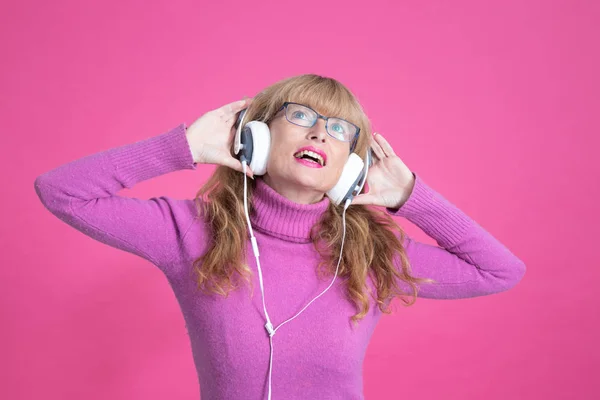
point(269, 325)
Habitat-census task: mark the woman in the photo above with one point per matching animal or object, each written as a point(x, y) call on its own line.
point(202, 244)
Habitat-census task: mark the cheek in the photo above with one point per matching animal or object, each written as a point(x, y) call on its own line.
point(338, 167)
point(280, 143)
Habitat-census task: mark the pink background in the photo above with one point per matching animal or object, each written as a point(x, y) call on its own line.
point(495, 104)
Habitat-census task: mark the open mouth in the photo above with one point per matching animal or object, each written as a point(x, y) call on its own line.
point(310, 156)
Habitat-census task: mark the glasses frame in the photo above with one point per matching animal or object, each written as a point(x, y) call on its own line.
point(352, 141)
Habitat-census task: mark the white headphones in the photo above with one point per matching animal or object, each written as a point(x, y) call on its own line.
point(252, 144)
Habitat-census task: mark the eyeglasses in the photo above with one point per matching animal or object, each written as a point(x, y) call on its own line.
point(338, 128)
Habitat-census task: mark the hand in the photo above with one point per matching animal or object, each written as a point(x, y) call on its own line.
point(211, 136)
point(390, 181)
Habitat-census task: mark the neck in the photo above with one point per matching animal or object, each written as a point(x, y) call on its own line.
point(293, 192)
point(280, 217)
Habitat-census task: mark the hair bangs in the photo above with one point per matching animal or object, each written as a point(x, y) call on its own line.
point(327, 97)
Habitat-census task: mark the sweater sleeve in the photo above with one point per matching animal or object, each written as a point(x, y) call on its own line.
point(83, 193)
point(470, 262)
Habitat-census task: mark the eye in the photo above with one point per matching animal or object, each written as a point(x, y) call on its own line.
point(299, 114)
point(338, 128)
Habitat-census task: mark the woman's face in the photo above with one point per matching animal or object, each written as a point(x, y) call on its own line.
point(290, 170)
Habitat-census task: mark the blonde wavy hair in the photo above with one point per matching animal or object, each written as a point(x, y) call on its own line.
point(371, 244)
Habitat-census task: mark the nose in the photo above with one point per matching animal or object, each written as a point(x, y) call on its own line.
point(318, 131)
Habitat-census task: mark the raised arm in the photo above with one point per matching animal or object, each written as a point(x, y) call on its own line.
point(470, 262)
point(84, 193)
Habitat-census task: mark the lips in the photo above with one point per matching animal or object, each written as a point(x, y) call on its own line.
point(312, 154)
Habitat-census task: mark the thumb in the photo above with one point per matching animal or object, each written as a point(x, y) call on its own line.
point(365, 199)
point(235, 164)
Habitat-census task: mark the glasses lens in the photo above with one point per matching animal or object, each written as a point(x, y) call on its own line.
point(338, 128)
point(341, 129)
point(300, 115)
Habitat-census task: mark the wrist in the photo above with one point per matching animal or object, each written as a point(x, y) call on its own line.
point(406, 192)
point(193, 149)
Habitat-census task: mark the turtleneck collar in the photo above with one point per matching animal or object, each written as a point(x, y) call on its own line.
point(278, 216)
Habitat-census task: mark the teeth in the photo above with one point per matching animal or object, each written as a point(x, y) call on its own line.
point(310, 153)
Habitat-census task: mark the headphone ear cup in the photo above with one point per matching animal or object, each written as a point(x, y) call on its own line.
point(261, 146)
point(352, 175)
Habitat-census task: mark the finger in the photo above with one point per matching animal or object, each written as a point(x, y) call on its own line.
point(232, 119)
point(231, 109)
point(237, 165)
point(385, 146)
point(232, 163)
point(377, 149)
point(364, 199)
point(249, 172)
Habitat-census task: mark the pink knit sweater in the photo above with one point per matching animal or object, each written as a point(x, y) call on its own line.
point(318, 355)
